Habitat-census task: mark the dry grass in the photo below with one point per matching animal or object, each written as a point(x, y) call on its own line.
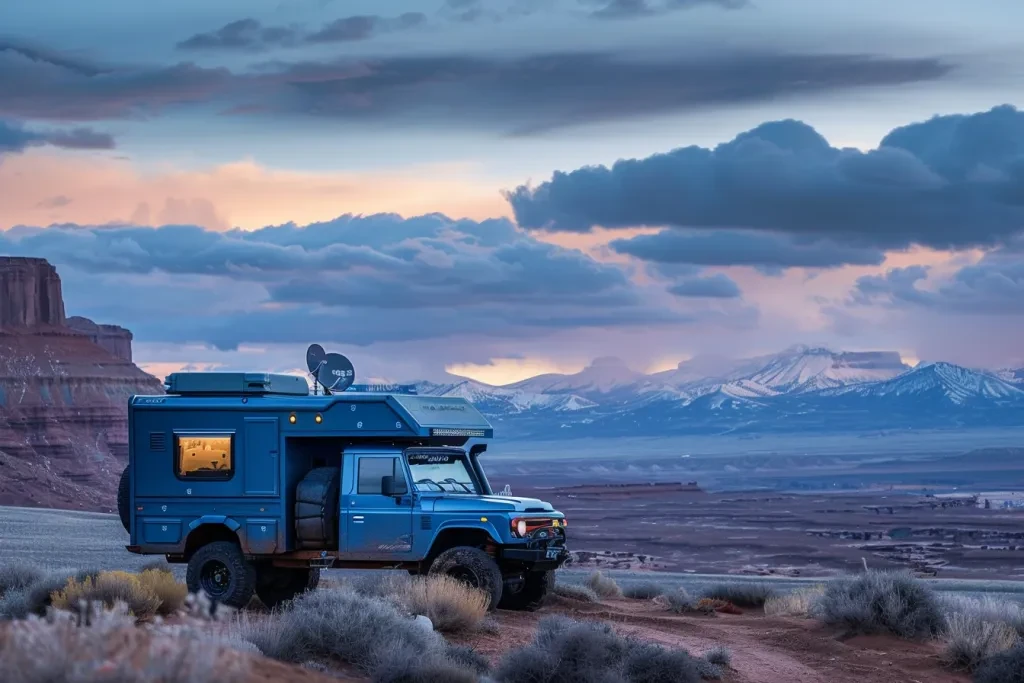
point(571, 591)
point(108, 588)
point(741, 594)
point(645, 590)
point(166, 588)
point(107, 647)
point(452, 606)
point(799, 603)
point(970, 640)
point(604, 586)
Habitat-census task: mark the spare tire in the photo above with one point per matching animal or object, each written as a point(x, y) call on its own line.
point(316, 509)
point(124, 499)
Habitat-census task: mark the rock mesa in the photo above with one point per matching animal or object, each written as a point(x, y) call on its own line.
point(64, 389)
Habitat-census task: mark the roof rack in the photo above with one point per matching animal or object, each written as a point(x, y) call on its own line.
point(235, 384)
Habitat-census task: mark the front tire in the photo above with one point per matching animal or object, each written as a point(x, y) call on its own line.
point(221, 572)
point(532, 593)
point(473, 567)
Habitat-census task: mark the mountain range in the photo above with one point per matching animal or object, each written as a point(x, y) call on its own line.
point(800, 389)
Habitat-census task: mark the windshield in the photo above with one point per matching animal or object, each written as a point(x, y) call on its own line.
point(444, 471)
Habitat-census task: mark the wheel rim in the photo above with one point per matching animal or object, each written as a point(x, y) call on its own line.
point(465, 575)
point(215, 578)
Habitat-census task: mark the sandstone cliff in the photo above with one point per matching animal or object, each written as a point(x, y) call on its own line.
point(64, 389)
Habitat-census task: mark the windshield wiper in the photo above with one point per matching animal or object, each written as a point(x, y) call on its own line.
point(451, 480)
point(431, 481)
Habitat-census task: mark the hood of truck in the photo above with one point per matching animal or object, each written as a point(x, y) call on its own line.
point(467, 503)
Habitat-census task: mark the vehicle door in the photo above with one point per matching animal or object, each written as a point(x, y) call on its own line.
point(378, 527)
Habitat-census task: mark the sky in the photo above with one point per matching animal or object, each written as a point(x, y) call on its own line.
point(501, 188)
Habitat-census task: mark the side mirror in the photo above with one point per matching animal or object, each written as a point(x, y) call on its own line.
point(387, 486)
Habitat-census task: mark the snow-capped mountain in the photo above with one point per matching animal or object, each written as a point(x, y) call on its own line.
point(800, 389)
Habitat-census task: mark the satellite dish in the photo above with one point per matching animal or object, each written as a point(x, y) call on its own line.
point(315, 356)
point(335, 372)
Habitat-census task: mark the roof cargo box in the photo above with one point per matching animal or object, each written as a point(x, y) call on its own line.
point(235, 383)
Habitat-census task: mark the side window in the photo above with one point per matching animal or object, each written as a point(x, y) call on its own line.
point(209, 456)
point(372, 469)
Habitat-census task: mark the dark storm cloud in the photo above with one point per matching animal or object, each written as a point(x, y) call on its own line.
point(993, 286)
point(508, 94)
point(717, 286)
point(630, 9)
point(251, 35)
point(39, 84)
point(744, 248)
point(540, 93)
point(949, 182)
point(16, 138)
point(372, 278)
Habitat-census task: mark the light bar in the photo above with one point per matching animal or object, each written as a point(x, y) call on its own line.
point(435, 431)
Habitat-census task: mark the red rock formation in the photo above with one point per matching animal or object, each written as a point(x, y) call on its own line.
point(63, 396)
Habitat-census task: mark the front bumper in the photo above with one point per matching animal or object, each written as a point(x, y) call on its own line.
point(539, 559)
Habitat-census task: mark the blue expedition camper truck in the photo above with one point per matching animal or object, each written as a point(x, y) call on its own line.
point(257, 485)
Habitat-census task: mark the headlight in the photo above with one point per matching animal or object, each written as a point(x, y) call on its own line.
point(521, 527)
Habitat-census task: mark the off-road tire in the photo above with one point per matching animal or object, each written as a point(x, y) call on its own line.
point(124, 499)
point(239, 581)
point(474, 567)
point(531, 596)
point(276, 585)
point(316, 509)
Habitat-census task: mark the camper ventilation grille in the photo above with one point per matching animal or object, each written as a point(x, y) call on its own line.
point(426, 522)
point(157, 441)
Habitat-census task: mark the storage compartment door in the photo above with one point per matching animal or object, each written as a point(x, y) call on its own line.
point(262, 463)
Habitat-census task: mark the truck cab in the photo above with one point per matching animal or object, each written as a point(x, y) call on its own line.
point(257, 486)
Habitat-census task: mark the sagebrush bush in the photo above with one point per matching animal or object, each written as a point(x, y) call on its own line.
point(970, 639)
point(108, 588)
point(882, 602)
point(645, 590)
point(159, 564)
point(741, 594)
point(168, 590)
point(569, 651)
point(1005, 667)
point(405, 666)
point(18, 577)
point(680, 602)
point(36, 597)
point(604, 586)
point(106, 647)
point(799, 603)
point(451, 605)
point(987, 608)
point(719, 655)
point(468, 658)
point(573, 592)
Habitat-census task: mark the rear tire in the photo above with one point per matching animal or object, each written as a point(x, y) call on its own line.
point(220, 571)
point(532, 594)
point(473, 567)
point(124, 499)
point(277, 585)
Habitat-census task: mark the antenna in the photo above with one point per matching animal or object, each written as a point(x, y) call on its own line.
point(332, 371)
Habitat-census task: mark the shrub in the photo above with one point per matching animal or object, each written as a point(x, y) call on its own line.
point(645, 590)
point(159, 565)
point(108, 588)
point(569, 651)
point(452, 606)
point(604, 586)
point(719, 655)
point(63, 648)
point(1005, 667)
point(800, 603)
point(37, 596)
point(18, 577)
point(406, 666)
point(741, 594)
point(571, 591)
point(680, 602)
point(987, 608)
point(882, 602)
point(468, 658)
point(166, 588)
point(969, 640)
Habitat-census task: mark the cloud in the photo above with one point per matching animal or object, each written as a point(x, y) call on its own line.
point(950, 182)
point(744, 248)
point(16, 138)
point(993, 286)
point(717, 286)
point(363, 279)
point(631, 9)
point(250, 35)
point(39, 84)
point(538, 93)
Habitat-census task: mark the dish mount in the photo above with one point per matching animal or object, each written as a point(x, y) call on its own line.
point(332, 371)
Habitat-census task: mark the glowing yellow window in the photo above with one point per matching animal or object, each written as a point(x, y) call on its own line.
point(205, 457)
